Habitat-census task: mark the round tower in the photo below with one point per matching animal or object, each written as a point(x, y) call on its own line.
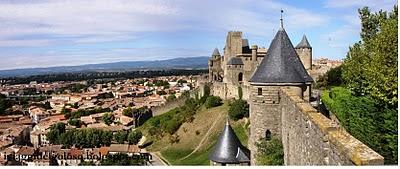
point(304, 50)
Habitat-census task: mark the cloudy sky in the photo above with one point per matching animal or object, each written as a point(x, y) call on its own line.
point(43, 33)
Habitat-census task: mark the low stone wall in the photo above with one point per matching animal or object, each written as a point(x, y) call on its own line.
point(168, 106)
point(218, 89)
point(310, 138)
point(175, 103)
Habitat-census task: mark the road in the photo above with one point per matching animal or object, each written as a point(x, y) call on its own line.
point(156, 161)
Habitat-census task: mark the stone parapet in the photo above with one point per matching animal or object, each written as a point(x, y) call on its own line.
point(310, 138)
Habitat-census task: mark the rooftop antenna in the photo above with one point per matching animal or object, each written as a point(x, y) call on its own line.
point(281, 18)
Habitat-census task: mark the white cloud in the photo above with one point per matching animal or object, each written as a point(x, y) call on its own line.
point(374, 4)
point(100, 20)
point(69, 23)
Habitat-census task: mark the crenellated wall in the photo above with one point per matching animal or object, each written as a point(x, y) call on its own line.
point(310, 138)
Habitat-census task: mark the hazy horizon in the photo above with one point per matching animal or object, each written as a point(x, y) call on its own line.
point(70, 33)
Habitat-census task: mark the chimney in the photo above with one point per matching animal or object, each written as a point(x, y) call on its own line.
point(254, 53)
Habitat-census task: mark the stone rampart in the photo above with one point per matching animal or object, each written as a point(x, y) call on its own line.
point(310, 138)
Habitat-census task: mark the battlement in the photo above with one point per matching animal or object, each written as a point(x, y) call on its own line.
point(310, 138)
point(235, 33)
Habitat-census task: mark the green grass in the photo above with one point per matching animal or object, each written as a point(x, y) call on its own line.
point(174, 153)
point(241, 132)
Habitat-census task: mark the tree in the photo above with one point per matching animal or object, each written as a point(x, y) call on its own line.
point(370, 66)
point(55, 131)
point(120, 137)
point(370, 69)
point(240, 92)
point(75, 122)
point(213, 101)
point(238, 109)
point(130, 112)
point(108, 118)
point(134, 137)
point(332, 77)
point(171, 97)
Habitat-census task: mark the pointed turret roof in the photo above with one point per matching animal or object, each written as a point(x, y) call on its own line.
point(303, 43)
point(216, 52)
point(281, 63)
point(229, 149)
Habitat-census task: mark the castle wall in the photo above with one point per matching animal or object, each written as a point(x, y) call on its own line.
point(219, 89)
point(310, 138)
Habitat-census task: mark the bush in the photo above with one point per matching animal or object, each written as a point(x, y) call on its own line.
point(213, 101)
point(108, 118)
point(130, 112)
point(134, 137)
point(238, 109)
point(367, 120)
point(269, 152)
point(120, 137)
point(75, 122)
point(332, 77)
point(172, 126)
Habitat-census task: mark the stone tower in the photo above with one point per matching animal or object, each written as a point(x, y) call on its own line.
point(233, 46)
point(281, 68)
point(214, 66)
point(304, 51)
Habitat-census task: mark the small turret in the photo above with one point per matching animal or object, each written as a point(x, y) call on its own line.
point(216, 53)
point(229, 150)
point(304, 50)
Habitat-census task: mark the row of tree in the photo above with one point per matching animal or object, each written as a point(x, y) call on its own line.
point(89, 137)
point(103, 75)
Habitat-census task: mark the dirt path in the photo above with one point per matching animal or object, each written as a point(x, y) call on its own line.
point(203, 139)
point(161, 158)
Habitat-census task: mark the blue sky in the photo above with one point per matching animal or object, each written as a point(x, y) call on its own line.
point(45, 33)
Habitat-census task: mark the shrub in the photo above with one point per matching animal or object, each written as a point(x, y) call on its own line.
point(75, 122)
point(134, 137)
point(240, 92)
point(366, 119)
point(213, 101)
point(108, 118)
point(238, 109)
point(120, 137)
point(269, 152)
point(130, 112)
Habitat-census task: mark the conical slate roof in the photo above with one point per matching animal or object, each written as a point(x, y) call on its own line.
point(229, 149)
point(216, 52)
point(281, 63)
point(303, 43)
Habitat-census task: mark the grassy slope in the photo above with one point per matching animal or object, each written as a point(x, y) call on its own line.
point(189, 140)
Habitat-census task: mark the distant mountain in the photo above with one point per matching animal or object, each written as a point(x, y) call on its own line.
point(176, 63)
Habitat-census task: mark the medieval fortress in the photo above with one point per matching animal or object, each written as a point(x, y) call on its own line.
point(277, 85)
point(233, 70)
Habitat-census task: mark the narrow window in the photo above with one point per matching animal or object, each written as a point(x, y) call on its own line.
point(240, 77)
point(267, 135)
point(259, 91)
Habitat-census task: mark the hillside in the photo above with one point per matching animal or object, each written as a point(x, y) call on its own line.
point(176, 63)
point(196, 139)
